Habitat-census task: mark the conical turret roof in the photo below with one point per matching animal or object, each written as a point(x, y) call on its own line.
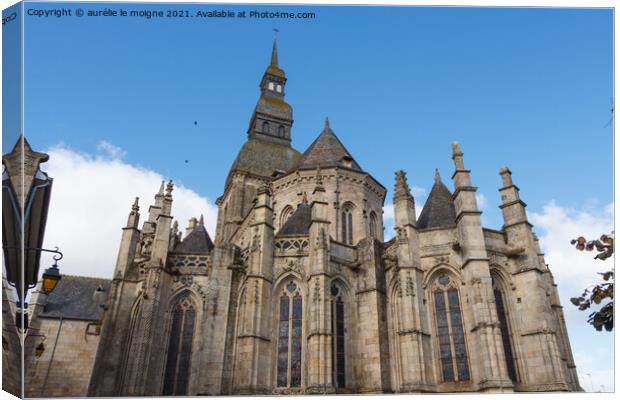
point(198, 241)
point(327, 151)
point(439, 208)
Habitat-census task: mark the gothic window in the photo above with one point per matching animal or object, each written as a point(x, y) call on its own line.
point(176, 377)
point(346, 223)
point(281, 131)
point(373, 224)
point(502, 313)
point(338, 351)
point(450, 333)
point(285, 215)
point(241, 314)
point(265, 127)
point(289, 337)
point(270, 85)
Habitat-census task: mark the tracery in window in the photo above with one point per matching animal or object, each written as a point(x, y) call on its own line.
point(338, 351)
point(285, 215)
point(502, 313)
point(289, 337)
point(373, 224)
point(346, 223)
point(450, 333)
point(176, 376)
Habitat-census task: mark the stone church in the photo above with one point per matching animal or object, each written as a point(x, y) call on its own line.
point(299, 293)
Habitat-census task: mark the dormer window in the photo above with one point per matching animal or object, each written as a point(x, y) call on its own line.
point(270, 85)
point(347, 162)
point(279, 88)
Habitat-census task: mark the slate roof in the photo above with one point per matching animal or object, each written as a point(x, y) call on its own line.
point(298, 223)
point(327, 151)
point(198, 241)
point(74, 298)
point(261, 157)
point(438, 209)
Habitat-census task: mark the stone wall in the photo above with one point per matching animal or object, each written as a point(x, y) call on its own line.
point(65, 371)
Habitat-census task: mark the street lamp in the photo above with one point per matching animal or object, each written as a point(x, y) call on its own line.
point(26, 192)
point(51, 276)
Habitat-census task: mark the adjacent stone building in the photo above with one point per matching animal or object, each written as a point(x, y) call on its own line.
point(299, 293)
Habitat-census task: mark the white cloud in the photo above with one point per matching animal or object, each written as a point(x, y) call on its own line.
point(111, 151)
point(573, 271)
point(482, 201)
point(91, 199)
point(591, 377)
point(418, 191)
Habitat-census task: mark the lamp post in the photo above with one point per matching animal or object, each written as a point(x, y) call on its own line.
point(26, 192)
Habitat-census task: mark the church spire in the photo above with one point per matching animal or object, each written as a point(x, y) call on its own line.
point(274, 50)
point(273, 117)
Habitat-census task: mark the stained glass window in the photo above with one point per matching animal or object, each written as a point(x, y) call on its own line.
point(289, 338)
point(338, 356)
point(347, 225)
point(176, 376)
point(373, 224)
point(450, 333)
point(504, 328)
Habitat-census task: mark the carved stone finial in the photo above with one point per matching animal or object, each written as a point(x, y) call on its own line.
point(202, 220)
point(161, 188)
point(175, 226)
point(401, 188)
point(457, 156)
point(135, 207)
point(327, 123)
point(169, 188)
point(456, 149)
point(506, 175)
point(304, 198)
point(437, 176)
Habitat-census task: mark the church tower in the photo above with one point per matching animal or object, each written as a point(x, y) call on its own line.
point(273, 117)
point(265, 155)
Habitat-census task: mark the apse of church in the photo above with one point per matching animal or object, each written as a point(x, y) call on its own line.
point(299, 293)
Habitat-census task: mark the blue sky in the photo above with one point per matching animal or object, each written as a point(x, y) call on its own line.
point(530, 88)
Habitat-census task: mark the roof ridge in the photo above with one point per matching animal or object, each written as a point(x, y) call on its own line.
point(84, 277)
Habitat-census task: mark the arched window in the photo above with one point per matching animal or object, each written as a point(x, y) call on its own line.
point(281, 131)
point(346, 222)
point(289, 337)
point(279, 88)
point(373, 224)
point(265, 127)
point(285, 215)
point(450, 333)
point(241, 313)
point(502, 315)
point(176, 375)
point(270, 85)
point(338, 350)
